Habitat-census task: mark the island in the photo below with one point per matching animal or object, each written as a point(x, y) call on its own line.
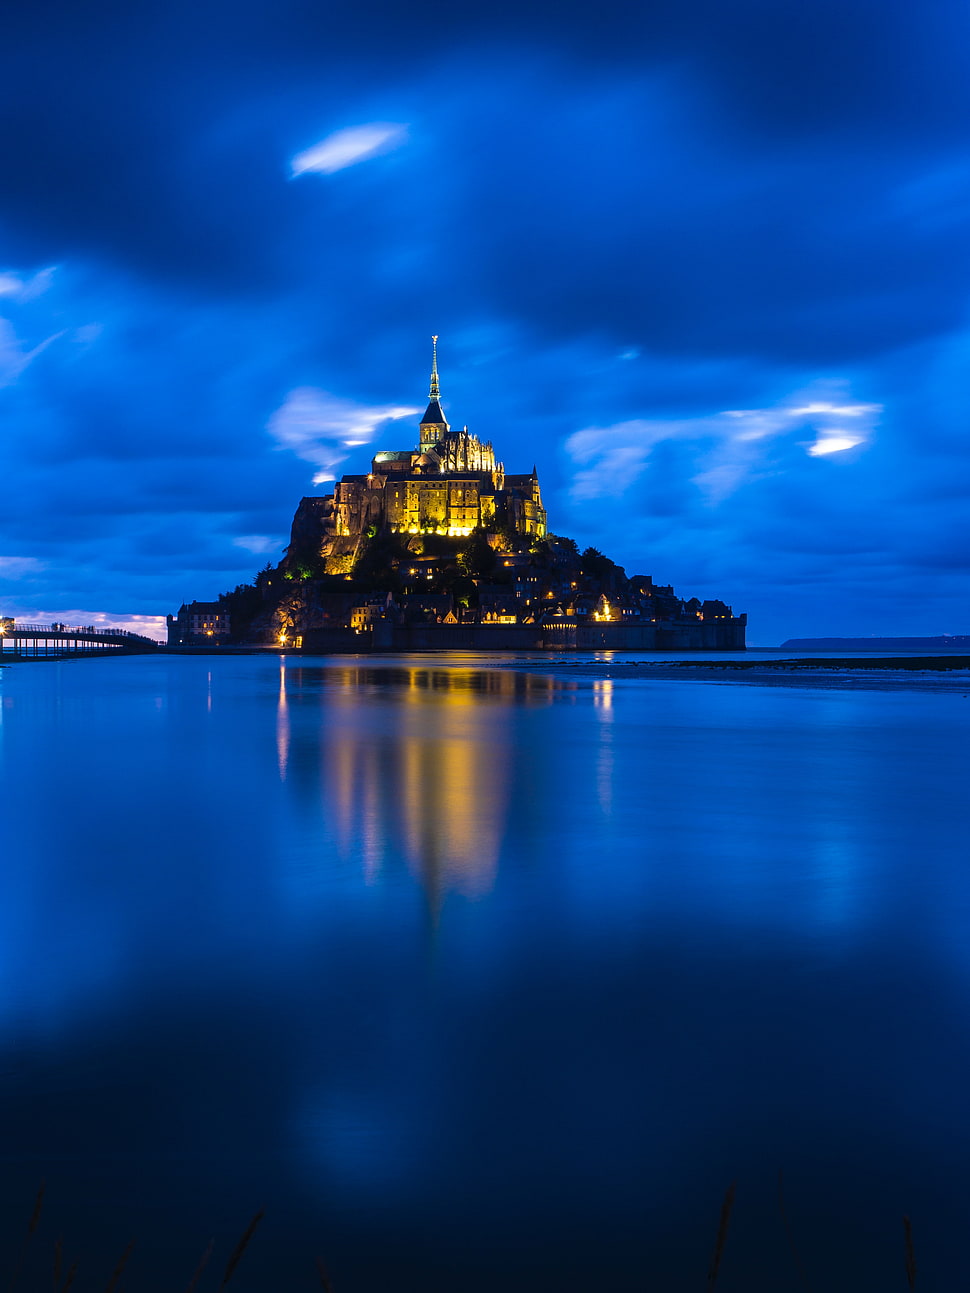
point(438, 547)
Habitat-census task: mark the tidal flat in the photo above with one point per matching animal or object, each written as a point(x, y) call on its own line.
point(922, 672)
point(476, 975)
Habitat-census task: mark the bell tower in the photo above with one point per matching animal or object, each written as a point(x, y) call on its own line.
point(433, 425)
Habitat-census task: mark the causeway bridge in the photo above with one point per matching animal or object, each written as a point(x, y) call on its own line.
point(21, 641)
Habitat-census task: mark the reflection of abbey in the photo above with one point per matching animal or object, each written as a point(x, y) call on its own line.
point(449, 485)
point(437, 546)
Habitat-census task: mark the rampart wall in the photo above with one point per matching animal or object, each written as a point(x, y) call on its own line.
point(718, 635)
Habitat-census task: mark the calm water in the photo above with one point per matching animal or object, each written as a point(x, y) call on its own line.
point(482, 979)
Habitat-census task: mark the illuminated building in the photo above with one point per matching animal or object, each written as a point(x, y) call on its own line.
point(198, 623)
point(449, 484)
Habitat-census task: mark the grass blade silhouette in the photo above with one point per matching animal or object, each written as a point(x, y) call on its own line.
point(722, 1230)
point(31, 1228)
point(119, 1269)
point(70, 1278)
point(910, 1255)
point(201, 1267)
point(324, 1276)
point(241, 1248)
point(788, 1231)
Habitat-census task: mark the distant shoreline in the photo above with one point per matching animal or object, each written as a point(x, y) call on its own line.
point(941, 674)
point(953, 643)
point(922, 662)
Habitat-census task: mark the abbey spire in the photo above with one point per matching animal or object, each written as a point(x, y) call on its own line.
point(434, 426)
point(435, 392)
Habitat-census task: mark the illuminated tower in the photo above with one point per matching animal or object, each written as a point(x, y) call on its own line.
point(433, 424)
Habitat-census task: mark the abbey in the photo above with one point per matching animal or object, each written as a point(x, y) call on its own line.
point(450, 484)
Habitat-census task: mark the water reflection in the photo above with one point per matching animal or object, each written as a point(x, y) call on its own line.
point(427, 778)
point(603, 708)
point(210, 912)
point(282, 725)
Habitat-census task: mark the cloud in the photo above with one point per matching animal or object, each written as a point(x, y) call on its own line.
point(14, 285)
point(348, 147)
point(259, 543)
point(318, 426)
point(729, 446)
point(832, 442)
point(13, 357)
point(19, 567)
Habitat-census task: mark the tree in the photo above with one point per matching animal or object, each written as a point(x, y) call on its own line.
point(465, 592)
point(477, 558)
point(243, 605)
point(567, 546)
point(377, 565)
point(595, 564)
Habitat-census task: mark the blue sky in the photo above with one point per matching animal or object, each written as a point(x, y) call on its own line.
point(704, 264)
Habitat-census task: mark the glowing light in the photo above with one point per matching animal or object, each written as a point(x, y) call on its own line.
point(834, 444)
point(348, 147)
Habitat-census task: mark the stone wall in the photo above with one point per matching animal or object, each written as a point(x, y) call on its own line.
point(719, 635)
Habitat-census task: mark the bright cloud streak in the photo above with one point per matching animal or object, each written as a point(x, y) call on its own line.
point(840, 410)
point(730, 446)
point(317, 426)
point(834, 444)
point(348, 147)
point(13, 357)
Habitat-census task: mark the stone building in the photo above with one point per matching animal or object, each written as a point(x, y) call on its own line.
point(449, 484)
point(198, 623)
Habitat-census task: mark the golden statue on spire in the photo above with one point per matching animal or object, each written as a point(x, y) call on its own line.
point(435, 392)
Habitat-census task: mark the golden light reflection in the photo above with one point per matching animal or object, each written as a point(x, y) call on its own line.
point(282, 727)
point(603, 696)
point(428, 778)
point(603, 705)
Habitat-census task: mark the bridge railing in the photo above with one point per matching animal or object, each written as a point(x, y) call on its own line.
point(68, 630)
